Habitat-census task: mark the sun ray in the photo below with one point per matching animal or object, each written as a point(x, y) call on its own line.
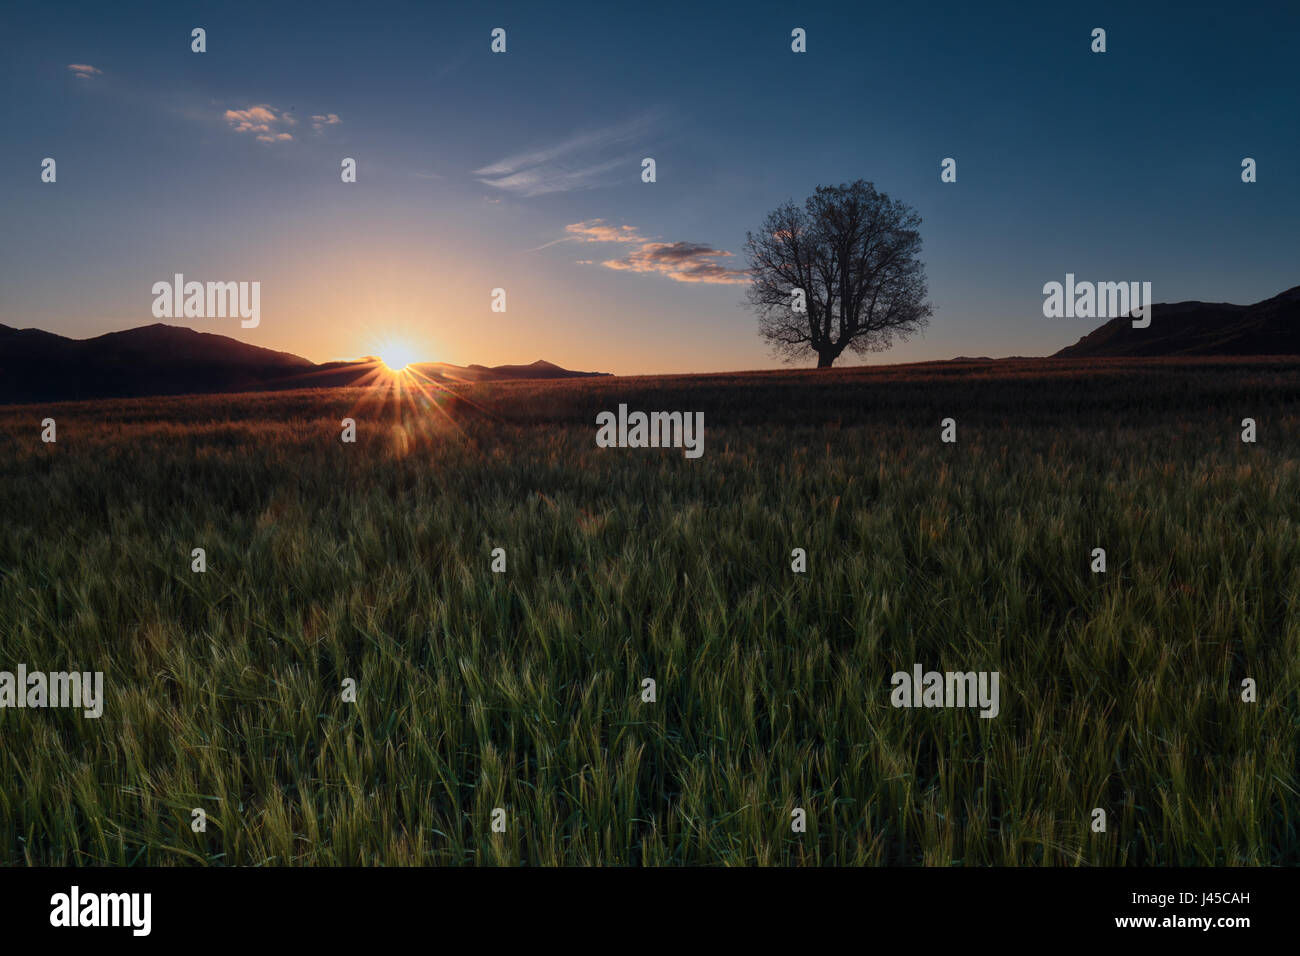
point(410, 399)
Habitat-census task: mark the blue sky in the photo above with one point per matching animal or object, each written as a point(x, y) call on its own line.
point(521, 170)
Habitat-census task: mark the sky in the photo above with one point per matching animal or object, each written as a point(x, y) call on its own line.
point(522, 170)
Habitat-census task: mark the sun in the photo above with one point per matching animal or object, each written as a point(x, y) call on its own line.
point(396, 356)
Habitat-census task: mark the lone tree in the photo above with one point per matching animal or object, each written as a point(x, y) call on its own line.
point(840, 272)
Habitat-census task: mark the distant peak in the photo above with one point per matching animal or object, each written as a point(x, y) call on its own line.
point(164, 327)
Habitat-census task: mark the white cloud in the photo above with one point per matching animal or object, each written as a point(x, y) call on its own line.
point(583, 161)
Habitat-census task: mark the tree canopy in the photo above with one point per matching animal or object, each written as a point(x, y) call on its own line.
point(842, 271)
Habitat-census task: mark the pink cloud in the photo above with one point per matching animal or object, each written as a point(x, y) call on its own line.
point(261, 120)
point(596, 230)
point(678, 261)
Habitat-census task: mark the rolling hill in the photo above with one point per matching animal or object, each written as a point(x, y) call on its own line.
point(38, 366)
point(1271, 327)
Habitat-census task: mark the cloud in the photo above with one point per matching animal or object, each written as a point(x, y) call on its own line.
point(540, 181)
point(261, 120)
point(583, 161)
point(679, 261)
point(596, 230)
point(320, 120)
point(84, 71)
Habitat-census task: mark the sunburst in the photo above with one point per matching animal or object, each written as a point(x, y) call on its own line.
point(398, 357)
point(402, 395)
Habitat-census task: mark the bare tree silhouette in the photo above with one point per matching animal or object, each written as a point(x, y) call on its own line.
point(853, 253)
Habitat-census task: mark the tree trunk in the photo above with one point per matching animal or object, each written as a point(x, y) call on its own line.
point(824, 359)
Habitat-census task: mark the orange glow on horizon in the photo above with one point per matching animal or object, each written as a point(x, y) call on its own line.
point(398, 356)
point(414, 409)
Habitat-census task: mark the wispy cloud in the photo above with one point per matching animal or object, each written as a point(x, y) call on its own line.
point(263, 121)
point(84, 71)
point(594, 230)
point(597, 230)
point(679, 261)
point(320, 120)
point(583, 161)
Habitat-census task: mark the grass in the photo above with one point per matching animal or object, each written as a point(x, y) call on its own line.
point(522, 690)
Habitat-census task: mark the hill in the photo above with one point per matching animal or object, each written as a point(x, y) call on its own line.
point(1271, 327)
point(541, 369)
point(39, 366)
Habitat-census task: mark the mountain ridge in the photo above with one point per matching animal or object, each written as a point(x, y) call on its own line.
point(1268, 327)
point(161, 359)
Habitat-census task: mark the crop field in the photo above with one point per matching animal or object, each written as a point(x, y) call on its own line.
point(524, 690)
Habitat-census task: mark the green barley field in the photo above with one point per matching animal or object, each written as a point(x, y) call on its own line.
point(522, 690)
